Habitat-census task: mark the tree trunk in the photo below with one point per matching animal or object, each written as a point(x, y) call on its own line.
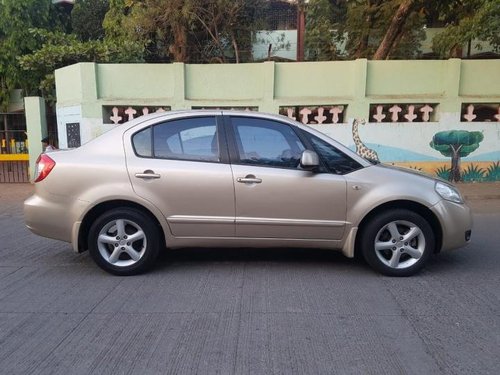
point(455, 165)
point(456, 51)
point(395, 28)
point(178, 49)
point(236, 49)
point(365, 36)
point(395, 45)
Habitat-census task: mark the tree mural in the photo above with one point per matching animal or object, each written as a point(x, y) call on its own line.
point(456, 144)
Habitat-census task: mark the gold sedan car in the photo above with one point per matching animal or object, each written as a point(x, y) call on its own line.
point(238, 179)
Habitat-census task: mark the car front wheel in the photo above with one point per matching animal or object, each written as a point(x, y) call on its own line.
point(124, 241)
point(397, 242)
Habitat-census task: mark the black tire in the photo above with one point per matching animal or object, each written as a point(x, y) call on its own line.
point(113, 253)
point(404, 240)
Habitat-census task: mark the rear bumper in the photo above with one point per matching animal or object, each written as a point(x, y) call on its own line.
point(456, 224)
point(52, 218)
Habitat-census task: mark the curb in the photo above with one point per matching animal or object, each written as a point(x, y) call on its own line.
point(481, 197)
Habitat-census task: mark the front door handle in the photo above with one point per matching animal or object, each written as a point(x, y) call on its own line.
point(249, 179)
point(147, 175)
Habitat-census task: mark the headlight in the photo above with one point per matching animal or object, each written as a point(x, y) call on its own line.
point(448, 192)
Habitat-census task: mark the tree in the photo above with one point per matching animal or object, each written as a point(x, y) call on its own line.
point(322, 38)
point(467, 21)
point(59, 49)
point(228, 22)
point(384, 29)
point(87, 17)
point(393, 27)
point(394, 30)
point(456, 144)
point(186, 30)
point(16, 20)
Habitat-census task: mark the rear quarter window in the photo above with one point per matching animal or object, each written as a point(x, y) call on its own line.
point(141, 142)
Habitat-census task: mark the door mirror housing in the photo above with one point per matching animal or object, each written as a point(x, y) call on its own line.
point(309, 160)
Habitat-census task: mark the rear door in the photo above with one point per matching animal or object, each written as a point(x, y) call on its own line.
point(181, 166)
point(274, 197)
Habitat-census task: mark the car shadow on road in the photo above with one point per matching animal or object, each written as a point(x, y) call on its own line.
point(191, 256)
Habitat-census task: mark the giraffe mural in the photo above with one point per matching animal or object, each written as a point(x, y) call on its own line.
point(361, 148)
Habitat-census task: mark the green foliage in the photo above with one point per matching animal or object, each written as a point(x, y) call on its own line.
point(16, 19)
point(473, 173)
point(322, 40)
point(368, 21)
point(120, 26)
point(493, 172)
point(462, 142)
point(59, 49)
point(474, 20)
point(187, 30)
point(443, 172)
point(87, 17)
point(358, 26)
point(37, 37)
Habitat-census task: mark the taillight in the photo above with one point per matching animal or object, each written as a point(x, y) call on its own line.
point(44, 164)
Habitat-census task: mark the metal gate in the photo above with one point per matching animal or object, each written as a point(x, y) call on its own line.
point(14, 171)
point(14, 158)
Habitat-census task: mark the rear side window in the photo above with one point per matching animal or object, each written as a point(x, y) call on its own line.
point(186, 139)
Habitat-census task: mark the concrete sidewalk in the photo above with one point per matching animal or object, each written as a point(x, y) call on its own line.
point(482, 197)
point(480, 190)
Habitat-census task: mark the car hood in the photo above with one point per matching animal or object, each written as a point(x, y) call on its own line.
point(414, 172)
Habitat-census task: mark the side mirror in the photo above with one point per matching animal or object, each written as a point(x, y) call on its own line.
point(309, 160)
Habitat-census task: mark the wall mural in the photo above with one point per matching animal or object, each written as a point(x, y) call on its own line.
point(417, 136)
point(456, 144)
point(361, 148)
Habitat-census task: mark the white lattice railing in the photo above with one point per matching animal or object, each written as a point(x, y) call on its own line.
point(321, 114)
point(480, 112)
point(120, 114)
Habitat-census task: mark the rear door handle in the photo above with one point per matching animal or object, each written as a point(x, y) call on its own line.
point(250, 179)
point(147, 175)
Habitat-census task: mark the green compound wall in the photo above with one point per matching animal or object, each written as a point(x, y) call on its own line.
point(455, 90)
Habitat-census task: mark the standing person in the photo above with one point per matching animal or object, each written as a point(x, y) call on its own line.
point(47, 147)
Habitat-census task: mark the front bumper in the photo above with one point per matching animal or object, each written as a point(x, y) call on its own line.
point(456, 224)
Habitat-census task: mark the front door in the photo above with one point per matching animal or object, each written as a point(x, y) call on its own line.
point(274, 197)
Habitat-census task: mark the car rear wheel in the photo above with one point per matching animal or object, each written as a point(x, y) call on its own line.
point(124, 241)
point(397, 242)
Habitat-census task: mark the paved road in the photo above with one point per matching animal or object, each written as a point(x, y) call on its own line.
point(245, 312)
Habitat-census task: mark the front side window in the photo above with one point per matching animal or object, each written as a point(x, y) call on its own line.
point(266, 143)
point(186, 139)
point(335, 160)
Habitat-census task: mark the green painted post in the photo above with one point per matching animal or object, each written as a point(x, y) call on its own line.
point(36, 125)
point(179, 97)
point(359, 106)
point(267, 103)
point(89, 93)
point(450, 105)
